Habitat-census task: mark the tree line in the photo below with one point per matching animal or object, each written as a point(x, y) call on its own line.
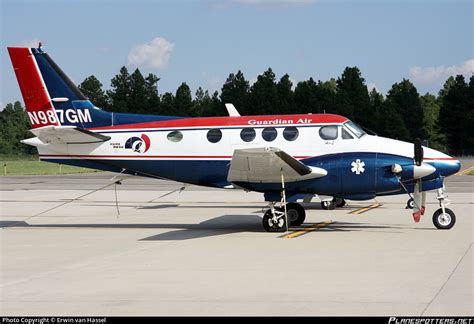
point(445, 120)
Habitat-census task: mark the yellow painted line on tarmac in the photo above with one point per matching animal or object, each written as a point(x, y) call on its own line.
point(308, 229)
point(465, 171)
point(365, 209)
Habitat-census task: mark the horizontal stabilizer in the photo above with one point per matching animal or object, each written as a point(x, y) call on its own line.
point(67, 135)
point(266, 165)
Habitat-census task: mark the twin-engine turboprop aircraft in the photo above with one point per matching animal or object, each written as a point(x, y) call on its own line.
point(286, 157)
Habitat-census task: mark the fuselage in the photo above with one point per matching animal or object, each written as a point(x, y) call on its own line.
point(199, 151)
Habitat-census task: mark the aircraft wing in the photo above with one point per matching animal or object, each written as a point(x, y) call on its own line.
point(267, 164)
point(67, 135)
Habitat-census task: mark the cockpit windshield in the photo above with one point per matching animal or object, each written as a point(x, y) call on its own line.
point(355, 129)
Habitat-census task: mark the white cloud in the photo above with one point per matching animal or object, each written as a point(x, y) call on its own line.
point(29, 43)
point(154, 54)
point(432, 74)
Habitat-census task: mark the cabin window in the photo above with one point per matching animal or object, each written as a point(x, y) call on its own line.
point(175, 136)
point(346, 134)
point(269, 134)
point(290, 133)
point(328, 132)
point(247, 134)
point(214, 135)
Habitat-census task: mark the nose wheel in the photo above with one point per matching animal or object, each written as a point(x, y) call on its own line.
point(444, 219)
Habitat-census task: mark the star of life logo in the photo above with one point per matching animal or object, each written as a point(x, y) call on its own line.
point(358, 166)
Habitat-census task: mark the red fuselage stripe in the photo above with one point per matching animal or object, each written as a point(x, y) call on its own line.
point(242, 121)
point(152, 156)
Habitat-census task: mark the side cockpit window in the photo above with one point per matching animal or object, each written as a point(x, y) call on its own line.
point(355, 129)
point(328, 133)
point(346, 135)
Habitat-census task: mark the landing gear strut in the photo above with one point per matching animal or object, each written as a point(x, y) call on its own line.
point(275, 219)
point(443, 218)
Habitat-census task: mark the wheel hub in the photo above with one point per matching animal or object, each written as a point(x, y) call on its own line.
point(444, 219)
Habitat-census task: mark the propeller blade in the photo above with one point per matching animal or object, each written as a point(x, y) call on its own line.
point(418, 152)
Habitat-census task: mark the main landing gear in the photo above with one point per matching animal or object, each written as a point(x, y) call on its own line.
point(332, 204)
point(410, 204)
point(274, 219)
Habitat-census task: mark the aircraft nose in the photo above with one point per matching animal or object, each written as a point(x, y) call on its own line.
point(449, 167)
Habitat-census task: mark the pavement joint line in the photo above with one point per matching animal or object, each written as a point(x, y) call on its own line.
point(365, 209)
point(447, 279)
point(308, 229)
point(465, 171)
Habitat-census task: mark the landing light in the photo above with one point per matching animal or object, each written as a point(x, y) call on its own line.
point(396, 168)
point(60, 99)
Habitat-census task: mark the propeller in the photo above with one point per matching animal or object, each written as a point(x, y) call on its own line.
point(418, 152)
point(419, 196)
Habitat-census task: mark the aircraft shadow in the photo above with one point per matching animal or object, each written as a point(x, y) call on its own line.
point(222, 225)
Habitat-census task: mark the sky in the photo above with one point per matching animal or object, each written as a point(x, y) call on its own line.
point(202, 42)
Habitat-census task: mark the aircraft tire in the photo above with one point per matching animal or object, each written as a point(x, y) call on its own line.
point(410, 203)
point(328, 204)
point(445, 221)
point(296, 214)
point(271, 227)
point(340, 202)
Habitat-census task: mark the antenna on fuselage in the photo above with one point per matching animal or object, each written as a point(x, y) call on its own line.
point(232, 110)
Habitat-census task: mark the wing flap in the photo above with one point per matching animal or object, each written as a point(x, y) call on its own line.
point(266, 165)
point(67, 135)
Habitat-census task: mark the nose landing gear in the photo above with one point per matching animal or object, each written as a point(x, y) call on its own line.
point(443, 218)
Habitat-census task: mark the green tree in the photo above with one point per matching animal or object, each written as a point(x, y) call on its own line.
point(430, 107)
point(235, 91)
point(202, 102)
point(120, 93)
point(455, 116)
point(447, 85)
point(391, 122)
point(286, 101)
point(305, 97)
point(376, 107)
point(137, 101)
point(152, 96)
point(215, 108)
point(404, 98)
point(352, 98)
point(167, 104)
point(183, 101)
point(15, 125)
point(263, 95)
point(91, 87)
point(470, 117)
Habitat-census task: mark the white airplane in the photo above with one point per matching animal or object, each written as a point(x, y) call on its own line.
point(286, 157)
